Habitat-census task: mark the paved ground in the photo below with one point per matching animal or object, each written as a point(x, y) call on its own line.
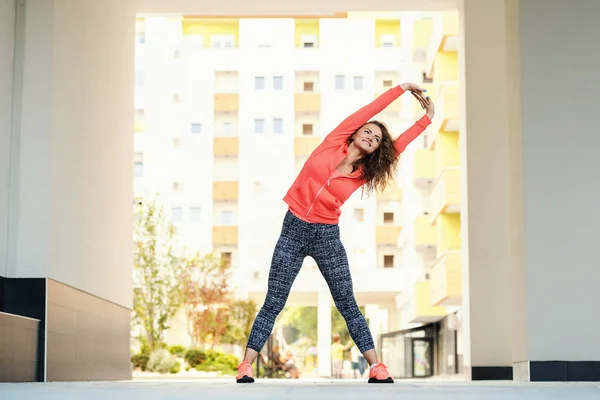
point(302, 389)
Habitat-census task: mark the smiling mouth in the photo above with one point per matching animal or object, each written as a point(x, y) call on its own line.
point(367, 142)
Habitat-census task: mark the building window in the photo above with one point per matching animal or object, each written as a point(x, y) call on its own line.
point(227, 128)
point(196, 127)
point(307, 129)
point(226, 258)
point(259, 83)
point(278, 83)
point(259, 126)
point(387, 83)
point(277, 125)
point(388, 261)
point(358, 83)
point(222, 41)
point(388, 217)
point(226, 218)
point(309, 41)
point(309, 86)
point(359, 214)
point(195, 215)
point(339, 82)
point(388, 41)
point(138, 165)
point(176, 214)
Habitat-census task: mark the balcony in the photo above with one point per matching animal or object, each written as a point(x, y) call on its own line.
point(446, 280)
point(225, 235)
point(391, 193)
point(447, 151)
point(445, 195)
point(226, 146)
point(444, 38)
point(422, 310)
point(307, 102)
point(448, 102)
point(227, 102)
point(387, 235)
point(422, 30)
point(225, 191)
point(447, 115)
point(424, 169)
point(305, 145)
point(425, 234)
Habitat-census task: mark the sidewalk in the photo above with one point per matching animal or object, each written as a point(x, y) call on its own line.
point(224, 389)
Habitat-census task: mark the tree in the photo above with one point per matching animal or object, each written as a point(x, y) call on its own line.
point(239, 325)
point(206, 295)
point(156, 295)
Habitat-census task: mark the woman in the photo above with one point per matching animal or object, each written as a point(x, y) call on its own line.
point(356, 153)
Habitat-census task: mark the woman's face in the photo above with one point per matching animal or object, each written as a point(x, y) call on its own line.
point(368, 138)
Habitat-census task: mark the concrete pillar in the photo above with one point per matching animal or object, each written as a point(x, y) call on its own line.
point(70, 184)
point(531, 282)
point(557, 276)
point(324, 333)
point(488, 100)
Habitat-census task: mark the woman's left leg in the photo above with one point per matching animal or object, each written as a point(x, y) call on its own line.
point(330, 255)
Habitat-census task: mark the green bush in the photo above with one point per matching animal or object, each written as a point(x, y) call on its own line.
point(218, 362)
point(140, 361)
point(177, 350)
point(216, 367)
point(176, 367)
point(145, 349)
point(161, 361)
point(195, 357)
point(228, 359)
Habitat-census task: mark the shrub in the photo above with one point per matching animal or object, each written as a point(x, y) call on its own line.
point(161, 361)
point(140, 361)
point(195, 357)
point(177, 350)
point(215, 367)
point(218, 362)
point(228, 359)
point(176, 367)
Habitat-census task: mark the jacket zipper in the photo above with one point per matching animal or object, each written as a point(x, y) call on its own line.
point(317, 195)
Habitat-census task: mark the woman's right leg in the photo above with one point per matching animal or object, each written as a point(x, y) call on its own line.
point(286, 263)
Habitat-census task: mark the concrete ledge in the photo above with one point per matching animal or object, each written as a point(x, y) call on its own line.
point(491, 373)
point(558, 371)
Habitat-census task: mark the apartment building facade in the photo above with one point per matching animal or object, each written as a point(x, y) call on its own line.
point(228, 111)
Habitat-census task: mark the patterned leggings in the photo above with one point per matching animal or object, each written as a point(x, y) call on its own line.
point(322, 242)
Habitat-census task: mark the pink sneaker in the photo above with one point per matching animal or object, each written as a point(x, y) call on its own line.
point(245, 374)
point(380, 374)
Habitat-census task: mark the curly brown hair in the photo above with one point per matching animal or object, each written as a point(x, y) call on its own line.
point(379, 167)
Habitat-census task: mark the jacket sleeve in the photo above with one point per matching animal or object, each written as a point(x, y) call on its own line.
point(364, 115)
point(411, 134)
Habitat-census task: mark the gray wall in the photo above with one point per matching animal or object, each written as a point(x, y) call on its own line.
point(560, 80)
point(71, 218)
point(7, 27)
